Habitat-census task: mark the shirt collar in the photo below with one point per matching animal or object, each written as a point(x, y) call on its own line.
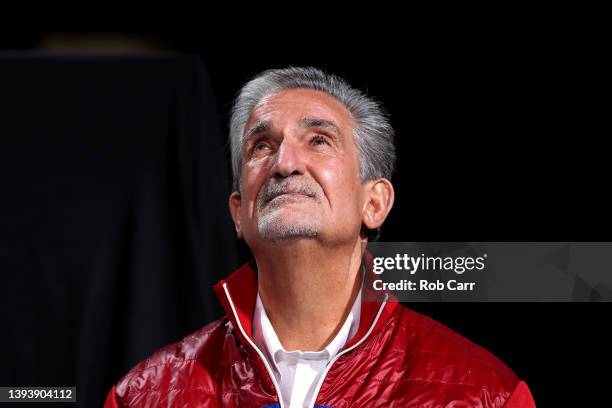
point(266, 339)
point(237, 294)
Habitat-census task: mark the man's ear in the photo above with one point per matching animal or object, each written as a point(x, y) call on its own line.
point(235, 201)
point(379, 200)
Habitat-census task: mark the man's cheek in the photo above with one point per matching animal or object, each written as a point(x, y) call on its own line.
point(332, 173)
point(339, 182)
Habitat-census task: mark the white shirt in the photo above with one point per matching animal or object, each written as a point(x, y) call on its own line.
point(298, 372)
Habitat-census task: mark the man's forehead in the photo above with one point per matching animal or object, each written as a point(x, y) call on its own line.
point(306, 122)
point(300, 105)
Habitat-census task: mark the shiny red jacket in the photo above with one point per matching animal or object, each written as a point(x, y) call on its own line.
point(397, 358)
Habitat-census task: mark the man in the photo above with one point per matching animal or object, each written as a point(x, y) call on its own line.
point(312, 158)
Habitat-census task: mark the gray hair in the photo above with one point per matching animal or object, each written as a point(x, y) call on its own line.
point(373, 134)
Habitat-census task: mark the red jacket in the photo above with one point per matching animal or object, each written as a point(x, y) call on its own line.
point(397, 358)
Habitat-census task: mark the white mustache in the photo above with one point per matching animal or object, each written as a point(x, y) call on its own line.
point(273, 189)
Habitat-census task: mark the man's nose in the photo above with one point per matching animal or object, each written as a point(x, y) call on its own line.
point(288, 161)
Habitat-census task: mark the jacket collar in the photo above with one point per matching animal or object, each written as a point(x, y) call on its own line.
point(238, 293)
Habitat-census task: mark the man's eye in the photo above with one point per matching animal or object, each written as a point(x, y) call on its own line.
point(319, 140)
point(260, 146)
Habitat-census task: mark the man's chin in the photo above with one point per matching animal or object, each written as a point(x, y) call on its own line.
point(282, 232)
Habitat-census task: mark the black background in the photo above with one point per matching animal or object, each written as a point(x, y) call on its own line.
point(498, 140)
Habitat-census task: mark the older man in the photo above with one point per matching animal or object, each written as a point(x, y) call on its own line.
point(312, 158)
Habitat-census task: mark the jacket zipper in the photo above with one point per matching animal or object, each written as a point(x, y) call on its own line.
point(261, 355)
point(322, 379)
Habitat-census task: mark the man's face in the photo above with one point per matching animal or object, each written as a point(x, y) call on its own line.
point(300, 173)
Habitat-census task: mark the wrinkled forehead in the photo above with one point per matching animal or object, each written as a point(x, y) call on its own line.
point(299, 106)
